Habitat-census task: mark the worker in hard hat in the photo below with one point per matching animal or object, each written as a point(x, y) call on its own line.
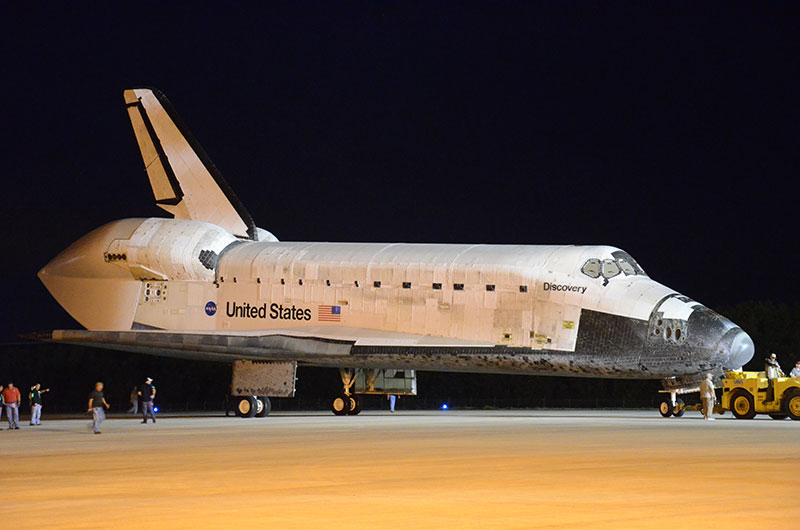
point(773, 371)
point(708, 396)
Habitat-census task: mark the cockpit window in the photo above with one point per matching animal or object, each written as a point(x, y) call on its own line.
point(626, 267)
point(608, 268)
point(592, 268)
point(626, 261)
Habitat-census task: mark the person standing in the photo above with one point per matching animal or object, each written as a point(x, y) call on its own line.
point(771, 367)
point(11, 399)
point(708, 396)
point(134, 401)
point(392, 400)
point(773, 371)
point(96, 403)
point(796, 370)
point(147, 392)
point(36, 403)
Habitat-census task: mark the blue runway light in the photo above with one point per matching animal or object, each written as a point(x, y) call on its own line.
point(155, 409)
point(444, 406)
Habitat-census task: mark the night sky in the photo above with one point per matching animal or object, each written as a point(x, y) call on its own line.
point(666, 129)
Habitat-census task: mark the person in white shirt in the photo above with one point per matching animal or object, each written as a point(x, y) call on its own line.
point(771, 367)
point(708, 396)
point(773, 371)
point(796, 370)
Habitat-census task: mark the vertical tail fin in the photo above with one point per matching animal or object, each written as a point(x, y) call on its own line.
point(184, 180)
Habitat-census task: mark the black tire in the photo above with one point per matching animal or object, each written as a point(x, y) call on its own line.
point(266, 407)
point(341, 405)
point(679, 410)
point(742, 405)
point(665, 408)
point(355, 405)
point(778, 416)
point(791, 404)
point(246, 406)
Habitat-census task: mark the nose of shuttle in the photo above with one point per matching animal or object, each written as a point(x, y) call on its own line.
point(740, 348)
point(716, 342)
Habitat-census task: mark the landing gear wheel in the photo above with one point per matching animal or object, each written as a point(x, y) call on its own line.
point(778, 416)
point(246, 406)
point(355, 405)
point(678, 410)
point(792, 405)
point(341, 405)
point(266, 406)
point(665, 408)
point(742, 405)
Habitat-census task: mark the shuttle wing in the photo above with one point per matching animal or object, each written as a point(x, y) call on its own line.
point(323, 345)
point(184, 180)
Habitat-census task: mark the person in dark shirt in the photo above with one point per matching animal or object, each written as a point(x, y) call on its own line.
point(96, 403)
point(147, 393)
point(36, 403)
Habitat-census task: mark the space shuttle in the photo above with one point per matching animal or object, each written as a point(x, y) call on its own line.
point(207, 283)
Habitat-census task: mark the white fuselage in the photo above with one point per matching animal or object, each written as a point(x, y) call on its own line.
point(189, 276)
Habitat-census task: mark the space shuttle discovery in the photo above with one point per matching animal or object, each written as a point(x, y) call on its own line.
point(209, 284)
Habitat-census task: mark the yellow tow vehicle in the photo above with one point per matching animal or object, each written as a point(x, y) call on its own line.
point(744, 394)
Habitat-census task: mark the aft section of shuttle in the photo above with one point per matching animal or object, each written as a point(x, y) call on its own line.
point(100, 278)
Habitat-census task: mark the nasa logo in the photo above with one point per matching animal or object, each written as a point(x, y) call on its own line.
point(211, 309)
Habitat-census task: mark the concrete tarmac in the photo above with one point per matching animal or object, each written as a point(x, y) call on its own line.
point(496, 469)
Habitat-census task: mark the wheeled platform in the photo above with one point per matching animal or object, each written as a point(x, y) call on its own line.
point(745, 394)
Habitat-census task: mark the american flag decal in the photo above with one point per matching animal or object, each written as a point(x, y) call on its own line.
point(329, 313)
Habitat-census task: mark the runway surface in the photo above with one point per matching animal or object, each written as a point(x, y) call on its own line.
point(498, 469)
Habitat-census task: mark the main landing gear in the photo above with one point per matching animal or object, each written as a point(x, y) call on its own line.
point(252, 406)
point(346, 404)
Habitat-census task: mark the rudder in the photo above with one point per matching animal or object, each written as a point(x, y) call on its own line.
point(185, 182)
